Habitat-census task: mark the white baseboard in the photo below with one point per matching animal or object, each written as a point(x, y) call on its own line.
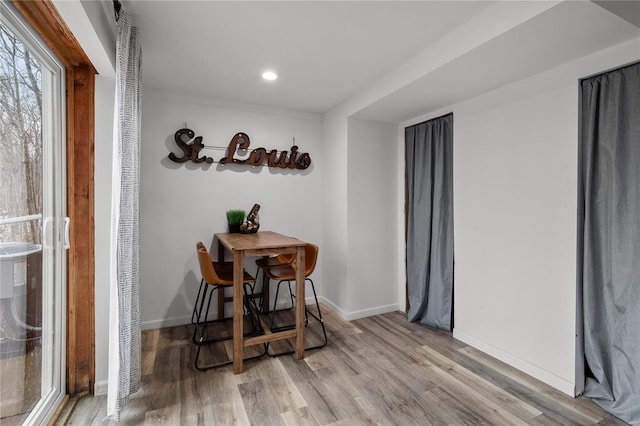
point(335, 308)
point(173, 322)
point(348, 316)
point(541, 374)
point(363, 313)
point(100, 388)
point(162, 323)
point(377, 310)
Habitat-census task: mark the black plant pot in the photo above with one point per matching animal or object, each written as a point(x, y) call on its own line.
point(234, 229)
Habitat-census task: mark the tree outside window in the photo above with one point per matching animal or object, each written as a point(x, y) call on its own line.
point(20, 139)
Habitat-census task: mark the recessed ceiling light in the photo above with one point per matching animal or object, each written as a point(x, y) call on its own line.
point(269, 75)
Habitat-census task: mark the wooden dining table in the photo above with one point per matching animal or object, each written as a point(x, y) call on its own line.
point(264, 243)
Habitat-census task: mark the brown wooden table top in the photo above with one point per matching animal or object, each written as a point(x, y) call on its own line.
point(262, 240)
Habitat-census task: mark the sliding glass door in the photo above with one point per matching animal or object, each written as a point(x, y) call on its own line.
point(32, 225)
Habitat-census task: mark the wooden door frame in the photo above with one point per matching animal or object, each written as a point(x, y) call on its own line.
point(80, 127)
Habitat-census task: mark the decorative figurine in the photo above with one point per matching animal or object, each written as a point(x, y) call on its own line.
point(251, 224)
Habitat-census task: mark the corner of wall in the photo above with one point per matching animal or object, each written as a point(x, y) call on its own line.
point(334, 205)
point(94, 29)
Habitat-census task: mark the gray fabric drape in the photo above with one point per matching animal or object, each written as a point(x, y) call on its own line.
point(429, 165)
point(124, 320)
point(609, 256)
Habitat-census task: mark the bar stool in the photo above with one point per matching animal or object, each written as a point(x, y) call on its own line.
point(218, 266)
point(215, 279)
point(270, 262)
point(287, 273)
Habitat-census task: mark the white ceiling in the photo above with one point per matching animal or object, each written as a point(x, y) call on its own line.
point(323, 52)
point(327, 52)
point(563, 33)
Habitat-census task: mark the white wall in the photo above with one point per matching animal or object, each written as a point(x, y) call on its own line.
point(515, 181)
point(515, 200)
point(371, 182)
point(185, 203)
point(359, 216)
point(104, 99)
point(334, 211)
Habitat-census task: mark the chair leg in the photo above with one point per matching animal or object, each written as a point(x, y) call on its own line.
point(249, 303)
point(194, 314)
point(201, 323)
point(291, 296)
point(275, 302)
point(223, 363)
point(255, 283)
point(318, 317)
point(275, 305)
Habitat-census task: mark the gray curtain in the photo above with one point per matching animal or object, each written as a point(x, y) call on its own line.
point(429, 169)
point(609, 252)
point(124, 316)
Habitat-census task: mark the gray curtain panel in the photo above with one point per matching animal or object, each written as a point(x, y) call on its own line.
point(609, 252)
point(124, 327)
point(429, 169)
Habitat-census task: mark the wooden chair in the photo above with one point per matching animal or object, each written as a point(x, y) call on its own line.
point(279, 260)
point(287, 273)
point(218, 266)
point(270, 262)
point(215, 279)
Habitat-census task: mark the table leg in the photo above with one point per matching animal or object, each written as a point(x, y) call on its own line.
point(238, 311)
point(300, 303)
point(221, 303)
point(221, 290)
point(265, 290)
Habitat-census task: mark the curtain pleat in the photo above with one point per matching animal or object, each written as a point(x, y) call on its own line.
point(429, 165)
point(124, 319)
point(609, 251)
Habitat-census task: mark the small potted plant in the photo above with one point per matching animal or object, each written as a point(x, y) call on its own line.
point(235, 218)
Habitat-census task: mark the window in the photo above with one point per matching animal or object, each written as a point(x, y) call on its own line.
point(32, 210)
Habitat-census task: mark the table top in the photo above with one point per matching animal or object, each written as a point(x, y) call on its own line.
point(262, 240)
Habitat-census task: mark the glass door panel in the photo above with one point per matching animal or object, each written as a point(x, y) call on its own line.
point(31, 207)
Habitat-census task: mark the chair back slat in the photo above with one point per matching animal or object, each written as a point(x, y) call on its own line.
point(206, 266)
point(310, 259)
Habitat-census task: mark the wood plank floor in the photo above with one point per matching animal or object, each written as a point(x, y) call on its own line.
point(379, 370)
